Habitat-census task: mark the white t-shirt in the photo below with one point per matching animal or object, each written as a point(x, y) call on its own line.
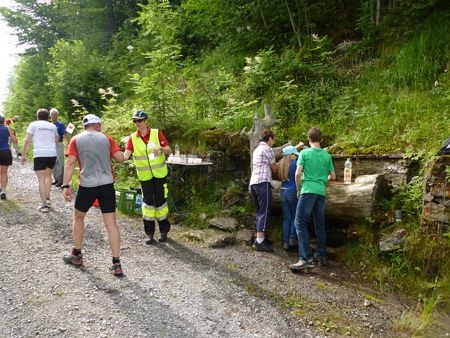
point(43, 133)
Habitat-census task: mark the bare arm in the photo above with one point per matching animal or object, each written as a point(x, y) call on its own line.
point(127, 154)
point(332, 176)
point(274, 167)
point(26, 145)
point(68, 172)
point(300, 145)
point(119, 156)
point(12, 136)
point(298, 177)
point(166, 150)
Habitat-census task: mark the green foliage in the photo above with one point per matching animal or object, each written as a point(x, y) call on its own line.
point(74, 73)
point(198, 205)
point(29, 90)
point(420, 61)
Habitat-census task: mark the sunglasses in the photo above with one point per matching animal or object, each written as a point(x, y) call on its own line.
point(134, 121)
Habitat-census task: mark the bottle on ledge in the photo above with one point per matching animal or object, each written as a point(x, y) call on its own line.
point(348, 171)
point(177, 150)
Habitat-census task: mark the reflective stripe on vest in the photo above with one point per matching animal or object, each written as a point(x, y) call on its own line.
point(147, 167)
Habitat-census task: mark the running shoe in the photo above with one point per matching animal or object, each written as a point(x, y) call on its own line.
point(3, 196)
point(302, 264)
point(76, 260)
point(44, 209)
point(116, 269)
point(265, 245)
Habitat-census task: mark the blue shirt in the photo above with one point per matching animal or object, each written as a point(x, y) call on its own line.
point(61, 128)
point(4, 137)
point(290, 182)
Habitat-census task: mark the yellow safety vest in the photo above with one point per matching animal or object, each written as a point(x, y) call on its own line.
point(148, 166)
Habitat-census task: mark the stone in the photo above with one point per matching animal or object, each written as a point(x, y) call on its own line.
point(228, 224)
point(393, 241)
point(220, 240)
point(245, 235)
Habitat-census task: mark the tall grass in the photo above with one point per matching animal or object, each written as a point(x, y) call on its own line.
point(420, 60)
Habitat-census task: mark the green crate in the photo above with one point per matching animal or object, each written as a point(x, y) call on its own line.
point(127, 201)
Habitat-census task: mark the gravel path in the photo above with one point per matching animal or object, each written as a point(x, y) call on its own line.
point(175, 289)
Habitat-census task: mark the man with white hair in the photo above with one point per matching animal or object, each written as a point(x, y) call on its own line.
point(58, 170)
point(93, 150)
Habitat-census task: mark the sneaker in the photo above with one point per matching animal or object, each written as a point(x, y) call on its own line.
point(286, 246)
point(48, 202)
point(162, 237)
point(116, 269)
point(44, 209)
point(301, 265)
point(321, 261)
point(76, 260)
point(264, 246)
point(2, 196)
point(149, 240)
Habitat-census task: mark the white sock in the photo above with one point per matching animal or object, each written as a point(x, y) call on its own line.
point(259, 240)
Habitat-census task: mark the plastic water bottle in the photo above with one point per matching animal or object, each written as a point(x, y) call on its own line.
point(177, 150)
point(138, 204)
point(348, 171)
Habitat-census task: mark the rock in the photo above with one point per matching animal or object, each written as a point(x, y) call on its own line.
point(245, 235)
point(229, 224)
point(221, 240)
point(393, 241)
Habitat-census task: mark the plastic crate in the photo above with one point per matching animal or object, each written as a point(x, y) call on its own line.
point(127, 201)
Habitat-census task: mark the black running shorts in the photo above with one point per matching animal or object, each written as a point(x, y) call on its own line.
point(105, 194)
point(42, 163)
point(5, 157)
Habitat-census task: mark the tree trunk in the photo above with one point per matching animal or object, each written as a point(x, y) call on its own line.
point(294, 28)
point(377, 20)
point(254, 135)
point(349, 203)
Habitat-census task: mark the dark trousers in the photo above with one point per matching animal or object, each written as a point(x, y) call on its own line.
point(262, 199)
point(153, 194)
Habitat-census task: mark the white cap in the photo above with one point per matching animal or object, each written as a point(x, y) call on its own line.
point(91, 119)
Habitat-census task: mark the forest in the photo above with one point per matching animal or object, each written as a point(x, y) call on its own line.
point(373, 74)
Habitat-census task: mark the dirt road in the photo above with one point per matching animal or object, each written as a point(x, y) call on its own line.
point(174, 289)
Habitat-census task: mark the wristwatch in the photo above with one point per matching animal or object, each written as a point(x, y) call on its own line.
point(65, 186)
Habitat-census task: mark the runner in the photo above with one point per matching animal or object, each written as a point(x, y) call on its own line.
point(44, 136)
point(6, 134)
point(93, 150)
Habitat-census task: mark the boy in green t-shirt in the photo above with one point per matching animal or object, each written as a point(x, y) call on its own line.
point(314, 168)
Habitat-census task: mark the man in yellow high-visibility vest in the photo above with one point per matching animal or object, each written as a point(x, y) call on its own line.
point(149, 148)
